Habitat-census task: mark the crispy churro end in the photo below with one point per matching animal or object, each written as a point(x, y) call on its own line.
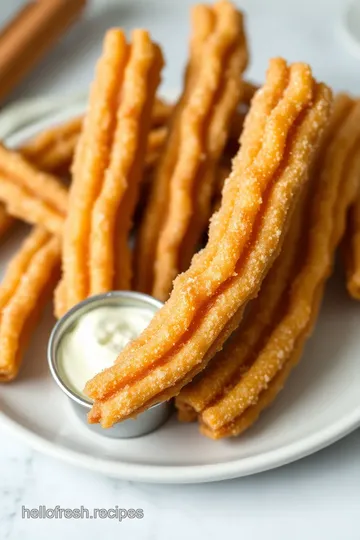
point(94, 414)
point(112, 37)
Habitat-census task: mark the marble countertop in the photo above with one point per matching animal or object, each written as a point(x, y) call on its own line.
point(317, 497)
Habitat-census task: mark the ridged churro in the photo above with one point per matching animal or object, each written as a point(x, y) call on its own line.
point(247, 340)
point(251, 370)
point(39, 198)
point(29, 281)
point(52, 150)
point(281, 133)
point(30, 194)
point(199, 131)
point(107, 168)
point(155, 209)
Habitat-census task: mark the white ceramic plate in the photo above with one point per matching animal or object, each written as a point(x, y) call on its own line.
point(320, 404)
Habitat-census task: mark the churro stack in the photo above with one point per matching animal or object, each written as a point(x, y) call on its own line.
point(122, 134)
point(253, 367)
point(281, 133)
point(243, 195)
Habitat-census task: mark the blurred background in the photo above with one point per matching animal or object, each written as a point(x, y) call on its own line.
point(307, 30)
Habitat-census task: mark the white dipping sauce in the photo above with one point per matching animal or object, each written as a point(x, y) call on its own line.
point(95, 341)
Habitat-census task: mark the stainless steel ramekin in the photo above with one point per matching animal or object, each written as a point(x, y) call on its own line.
point(144, 423)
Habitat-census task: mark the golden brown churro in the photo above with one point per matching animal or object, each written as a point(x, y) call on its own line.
point(116, 202)
point(29, 207)
point(28, 283)
point(39, 198)
point(29, 194)
point(281, 132)
point(12, 165)
point(108, 165)
point(53, 149)
point(263, 317)
point(199, 132)
point(146, 240)
point(247, 340)
point(248, 374)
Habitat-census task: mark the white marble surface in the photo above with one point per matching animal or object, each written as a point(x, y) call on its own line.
point(318, 497)
point(315, 498)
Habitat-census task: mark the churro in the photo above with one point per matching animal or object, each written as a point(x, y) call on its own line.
point(28, 283)
point(199, 131)
point(29, 194)
point(146, 240)
point(107, 168)
point(53, 149)
point(246, 341)
point(281, 133)
point(42, 199)
point(251, 370)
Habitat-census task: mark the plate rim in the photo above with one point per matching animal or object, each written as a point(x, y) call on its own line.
point(178, 474)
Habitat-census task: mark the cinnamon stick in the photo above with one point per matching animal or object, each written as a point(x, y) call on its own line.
point(29, 36)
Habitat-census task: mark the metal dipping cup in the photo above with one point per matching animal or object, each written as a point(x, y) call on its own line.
point(145, 422)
